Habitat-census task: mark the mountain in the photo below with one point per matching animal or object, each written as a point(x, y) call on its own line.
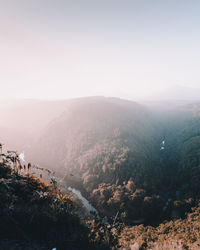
point(111, 149)
point(92, 122)
point(136, 163)
point(177, 94)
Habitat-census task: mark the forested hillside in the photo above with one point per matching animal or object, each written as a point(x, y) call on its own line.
point(125, 157)
point(36, 215)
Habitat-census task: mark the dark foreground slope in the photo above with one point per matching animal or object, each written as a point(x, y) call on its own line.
point(35, 215)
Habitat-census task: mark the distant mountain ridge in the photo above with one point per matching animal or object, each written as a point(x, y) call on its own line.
point(177, 93)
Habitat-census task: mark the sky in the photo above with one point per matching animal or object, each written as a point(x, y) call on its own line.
point(60, 49)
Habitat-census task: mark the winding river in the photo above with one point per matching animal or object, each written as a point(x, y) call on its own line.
point(85, 202)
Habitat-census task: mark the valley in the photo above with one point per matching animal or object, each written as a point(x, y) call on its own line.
point(137, 163)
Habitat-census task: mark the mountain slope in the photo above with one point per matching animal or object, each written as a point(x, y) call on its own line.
point(104, 141)
point(96, 128)
point(111, 150)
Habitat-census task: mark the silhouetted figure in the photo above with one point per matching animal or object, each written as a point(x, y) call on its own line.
point(29, 166)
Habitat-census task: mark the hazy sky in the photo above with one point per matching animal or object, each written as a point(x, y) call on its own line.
point(71, 48)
